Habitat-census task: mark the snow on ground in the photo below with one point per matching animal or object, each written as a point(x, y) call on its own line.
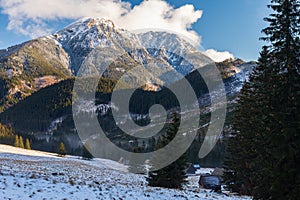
point(28, 174)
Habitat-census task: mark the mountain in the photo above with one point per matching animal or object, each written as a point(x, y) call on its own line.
point(35, 64)
point(84, 36)
point(37, 79)
point(30, 66)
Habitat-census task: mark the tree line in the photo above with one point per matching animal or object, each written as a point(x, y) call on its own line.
point(264, 150)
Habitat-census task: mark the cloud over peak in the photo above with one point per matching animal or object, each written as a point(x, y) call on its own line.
point(218, 56)
point(30, 17)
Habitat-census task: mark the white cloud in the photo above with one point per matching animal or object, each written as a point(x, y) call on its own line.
point(159, 14)
point(218, 56)
point(29, 17)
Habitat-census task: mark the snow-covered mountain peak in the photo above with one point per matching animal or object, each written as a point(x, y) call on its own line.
point(101, 22)
point(164, 39)
point(87, 23)
point(85, 35)
point(88, 35)
point(91, 37)
point(94, 30)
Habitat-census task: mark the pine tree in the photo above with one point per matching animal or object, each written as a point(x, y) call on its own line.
point(27, 144)
point(284, 140)
point(6, 135)
point(242, 155)
point(16, 142)
point(21, 142)
point(174, 175)
point(62, 150)
point(86, 155)
point(135, 166)
point(264, 152)
point(151, 144)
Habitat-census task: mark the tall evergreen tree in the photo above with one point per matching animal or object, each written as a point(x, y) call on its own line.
point(21, 140)
point(6, 135)
point(27, 144)
point(134, 166)
point(264, 152)
point(86, 155)
point(62, 150)
point(242, 148)
point(174, 175)
point(17, 142)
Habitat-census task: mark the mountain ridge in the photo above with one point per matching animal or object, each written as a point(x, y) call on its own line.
point(27, 67)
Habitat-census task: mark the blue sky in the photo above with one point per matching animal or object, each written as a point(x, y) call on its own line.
point(225, 25)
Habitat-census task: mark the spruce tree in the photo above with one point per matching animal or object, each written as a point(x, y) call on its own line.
point(264, 152)
point(6, 135)
point(27, 144)
point(62, 150)
point(86, 155)
point(242, 149)
point(134, 166)
point(21, 142)
point(16, 141)
point(174, 175)
point(282, 122)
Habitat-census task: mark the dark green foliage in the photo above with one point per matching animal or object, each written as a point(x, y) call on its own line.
point(27, 144)
point(30, 60)
point(21, 142)
point(62, 150)
point(246, 137)
point(151, 144)
point(264, 150)
point(35, 113)
point(6, 135)
point(174, 175)
point(3, 93)
point(16, 141)
point(86, 155)
point(134, 166)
